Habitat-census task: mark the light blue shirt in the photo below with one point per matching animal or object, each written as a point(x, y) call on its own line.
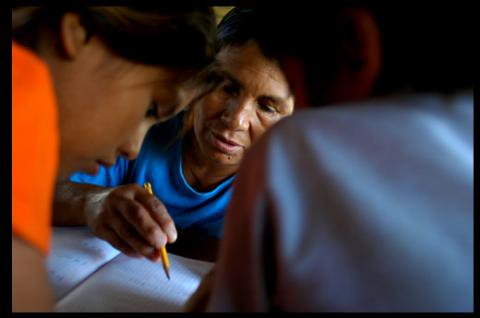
point(161, 165)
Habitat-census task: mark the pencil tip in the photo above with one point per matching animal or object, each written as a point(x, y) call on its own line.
point(168, 273)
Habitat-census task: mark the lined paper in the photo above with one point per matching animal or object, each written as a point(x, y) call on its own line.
point(75, 254)
point(137, 285)
point(89, 275)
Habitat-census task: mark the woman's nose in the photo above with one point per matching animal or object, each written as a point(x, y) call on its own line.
point(131, 148)
point(237, 116)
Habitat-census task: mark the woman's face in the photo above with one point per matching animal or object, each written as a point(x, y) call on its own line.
point(227, 121)
point(107, 104)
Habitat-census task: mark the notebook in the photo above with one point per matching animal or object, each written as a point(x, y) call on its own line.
point(89, 275)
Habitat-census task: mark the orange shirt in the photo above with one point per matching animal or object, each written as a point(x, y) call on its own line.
point(35, 148)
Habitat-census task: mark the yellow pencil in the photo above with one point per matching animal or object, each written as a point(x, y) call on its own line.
point(163, 250)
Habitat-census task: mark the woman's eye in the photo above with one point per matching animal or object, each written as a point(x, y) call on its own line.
point(268, 108)
point(152, 111)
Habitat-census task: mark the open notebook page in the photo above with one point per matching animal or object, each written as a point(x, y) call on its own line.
point(75, 254)
point(137, 285)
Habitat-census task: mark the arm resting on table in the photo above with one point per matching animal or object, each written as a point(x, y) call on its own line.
point(73, 201)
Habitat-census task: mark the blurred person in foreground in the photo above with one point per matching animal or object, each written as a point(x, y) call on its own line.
point(365, 202)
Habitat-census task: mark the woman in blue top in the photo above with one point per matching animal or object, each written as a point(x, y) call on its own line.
point(190, 160)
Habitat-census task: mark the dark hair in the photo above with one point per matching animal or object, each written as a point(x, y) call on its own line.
point(237, 27)
point(425, 47)
point(275, 35)
point(170, 36)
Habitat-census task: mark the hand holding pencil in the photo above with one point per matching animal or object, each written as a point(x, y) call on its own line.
point(132, 220)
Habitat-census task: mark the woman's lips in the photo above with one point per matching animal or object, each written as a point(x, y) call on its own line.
point(95, 166)
point(92, 168)
point(105, 163)
point(225, 145)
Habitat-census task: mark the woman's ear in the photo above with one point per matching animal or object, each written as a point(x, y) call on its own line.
point(360, 44)
point(73, 36)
